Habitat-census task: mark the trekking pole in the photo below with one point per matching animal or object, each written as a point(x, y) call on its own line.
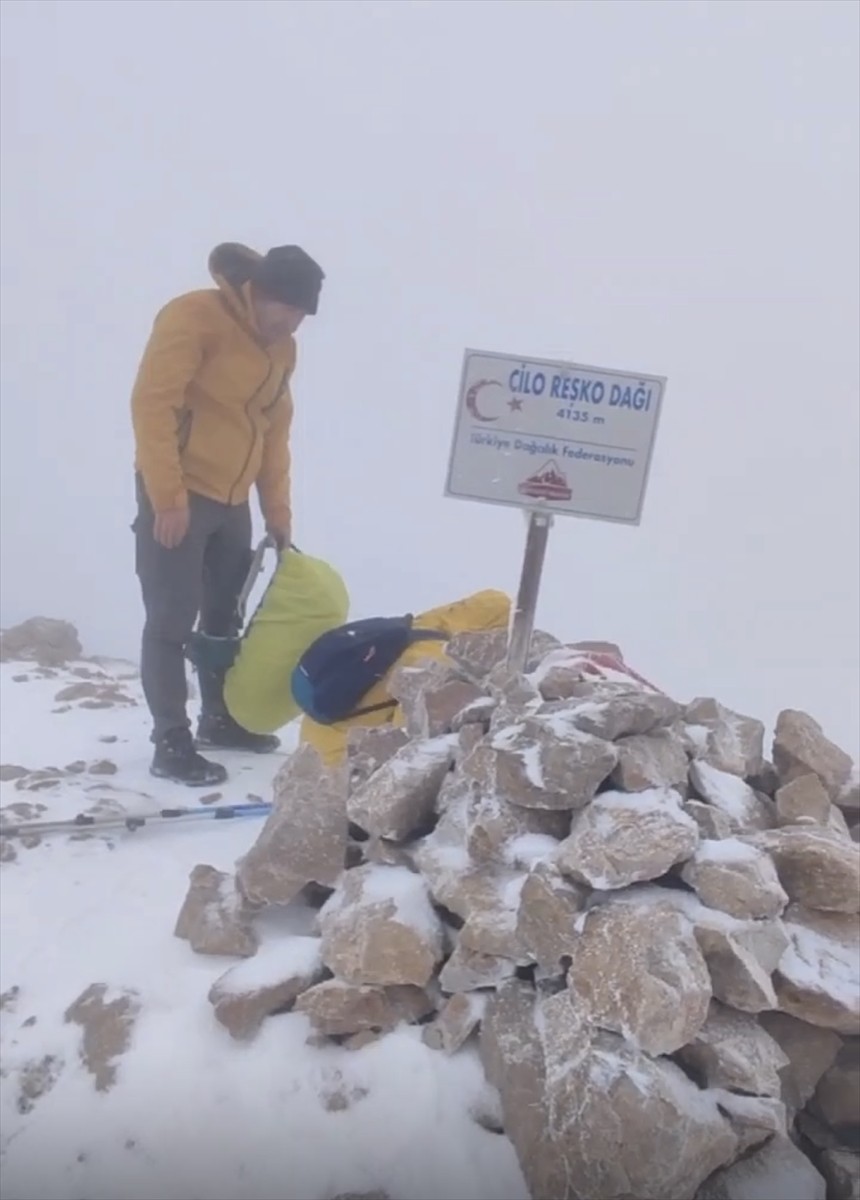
point(134, 821)
point(254, 570)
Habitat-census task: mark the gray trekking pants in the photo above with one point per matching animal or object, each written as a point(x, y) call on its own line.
point(202, 576)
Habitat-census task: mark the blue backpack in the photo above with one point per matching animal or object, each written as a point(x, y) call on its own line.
point(342, 665)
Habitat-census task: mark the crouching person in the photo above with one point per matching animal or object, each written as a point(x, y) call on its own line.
point(342, 682)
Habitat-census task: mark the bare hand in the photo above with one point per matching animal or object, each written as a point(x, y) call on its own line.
point(280, 535)
point(171, 527)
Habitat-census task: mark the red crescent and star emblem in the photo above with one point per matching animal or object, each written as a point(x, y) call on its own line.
point(515, 404)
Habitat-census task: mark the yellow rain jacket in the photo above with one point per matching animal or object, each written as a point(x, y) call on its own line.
point(482, 610)
point(305, 598)
point(211, 406)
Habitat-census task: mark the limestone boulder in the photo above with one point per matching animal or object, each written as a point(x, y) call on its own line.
point(456, 1021)
point(271, 982)
point(733, 1051)
point(837, 824)
point(800, 748)
point(549, 915)
point(469, 970)
point(713, 823)
point(622, 838)
point(818, 868)
point(379, 928)
point(745, 809)
point(837, 1096)
point(491, 925)
point(489, 821)
point(754, 1119)
point(849, 794)
point(399, 798)
point(545, 762)
point(656, 992)
point(368, 747)
point(408, 685)
point(304, 838)
point(476, 653)
point(456, 882)
point(215, 918)
point(736, 878)
point(810, 1052)
point(648, 761)
point(804, 799)
point(841, 1169)
point(818, 976)
point(625, 714)
point(384, 853)
point(44, 640)
point(778, 1167)
point(337, 1009)
point(590, 1115)
point(741, 955)
point(732, 742)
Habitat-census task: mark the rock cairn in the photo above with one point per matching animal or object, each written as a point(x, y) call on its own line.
point(649, 929)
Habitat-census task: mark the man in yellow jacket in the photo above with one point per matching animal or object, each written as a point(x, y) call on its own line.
point(211, 411)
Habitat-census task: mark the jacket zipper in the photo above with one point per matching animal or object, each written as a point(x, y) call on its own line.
point(278, 391)
point(253, 442)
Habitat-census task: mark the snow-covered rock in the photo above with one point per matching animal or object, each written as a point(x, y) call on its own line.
point(818, 976)
point(458, 1019)
point(468, 970)
point(841, 1169)
point(304, 838)
point(623, 715)
point(776, 1169)
point(621, 839)
point(270, 982)
point(400, 796)
point(837, 1096)
point(369, 747)
point(379, 928)
point(46, 641)
point(215, 918)
point(656, 992)
point(809, 1049)
point(800, 748)
point(589, 1114)
point(546, 762)
point(745, 809)
point(337, 1009)
point(549, 914)
point(732, 1051)
point(731, 742)
point(803, 799)
point(652, 760)
point(736, 878)
point(818, 868)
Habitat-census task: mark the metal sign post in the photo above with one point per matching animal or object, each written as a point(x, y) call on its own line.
point(527, 595)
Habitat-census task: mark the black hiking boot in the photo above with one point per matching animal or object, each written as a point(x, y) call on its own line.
point(175, 758)
point(218, 731)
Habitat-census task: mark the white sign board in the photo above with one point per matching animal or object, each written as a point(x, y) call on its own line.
point(553, 435)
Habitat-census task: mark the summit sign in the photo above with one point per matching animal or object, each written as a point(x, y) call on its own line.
point(554, 436)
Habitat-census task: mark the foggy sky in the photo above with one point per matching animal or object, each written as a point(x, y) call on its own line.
point(661, 187)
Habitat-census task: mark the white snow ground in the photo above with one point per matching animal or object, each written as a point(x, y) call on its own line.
point(193, 1114)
